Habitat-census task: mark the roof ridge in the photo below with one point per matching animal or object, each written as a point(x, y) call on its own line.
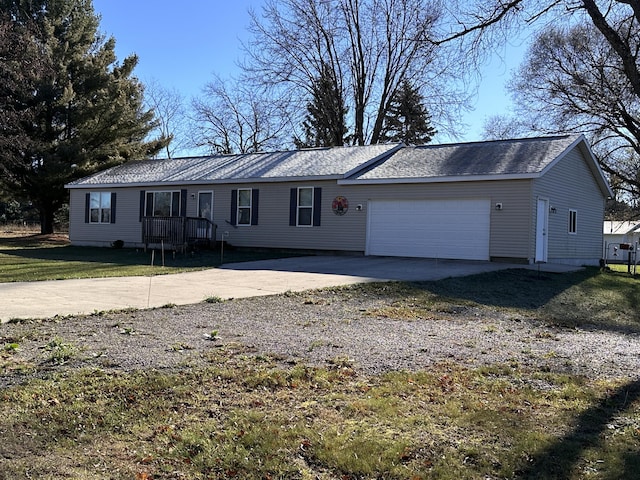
point(271, 152)
point(506, 140)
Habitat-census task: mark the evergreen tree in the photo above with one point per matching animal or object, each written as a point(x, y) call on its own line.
point(74, 108)
point(324, 124)
point(407, 119)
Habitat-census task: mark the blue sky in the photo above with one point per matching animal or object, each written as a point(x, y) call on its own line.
point(181, 44)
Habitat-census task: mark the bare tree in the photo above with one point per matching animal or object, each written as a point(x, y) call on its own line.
point(233, 118)
point(583, 77)
point(480, 25)
point(572, 81)
point(169, 109)
point(369, 46)
point(503, 127)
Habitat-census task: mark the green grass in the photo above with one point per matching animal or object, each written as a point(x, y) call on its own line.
point(248, 417)
point(34, 258)
point(588, 298)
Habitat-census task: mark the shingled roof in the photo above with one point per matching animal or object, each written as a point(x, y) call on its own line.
point(494, 160)
point(329, 163)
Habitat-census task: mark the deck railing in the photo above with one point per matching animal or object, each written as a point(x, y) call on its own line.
point(178, 232)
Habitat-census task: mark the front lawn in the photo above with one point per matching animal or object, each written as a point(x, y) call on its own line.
point(246, 416)
point(28, 258)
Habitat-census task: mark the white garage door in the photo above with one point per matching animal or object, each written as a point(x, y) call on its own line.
point(457, 229)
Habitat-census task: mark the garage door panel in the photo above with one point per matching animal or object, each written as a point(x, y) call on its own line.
point(429, 228)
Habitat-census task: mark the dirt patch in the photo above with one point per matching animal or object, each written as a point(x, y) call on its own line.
point(28, 237)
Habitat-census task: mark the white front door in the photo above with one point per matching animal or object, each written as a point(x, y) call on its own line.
point(542, 225)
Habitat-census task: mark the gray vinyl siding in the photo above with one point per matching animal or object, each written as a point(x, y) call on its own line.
point(127, 227)
point(335, 232)
point(570, 184)
point(509, 226)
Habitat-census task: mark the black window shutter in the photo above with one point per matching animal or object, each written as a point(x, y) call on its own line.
point(234, 207)
point(293, 205)
point(87, 207)
point(142, 198)
point(317, 202)
point(183, 203)
point(255, 197)
point(113, 208)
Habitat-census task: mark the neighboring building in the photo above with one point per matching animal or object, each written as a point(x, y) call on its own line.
point(616, 232)
point(528, 200)
point(619, 234)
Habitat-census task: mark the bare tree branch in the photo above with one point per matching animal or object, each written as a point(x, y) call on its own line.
point(370, 46)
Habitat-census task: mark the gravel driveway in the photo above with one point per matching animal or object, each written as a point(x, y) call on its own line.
point(317, 327)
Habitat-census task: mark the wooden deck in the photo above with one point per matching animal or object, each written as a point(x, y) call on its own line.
point(179, 233)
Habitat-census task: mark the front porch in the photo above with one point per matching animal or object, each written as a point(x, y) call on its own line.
point(179, 233)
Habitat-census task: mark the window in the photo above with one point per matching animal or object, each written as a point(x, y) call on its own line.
point(573, 221)
point(100, 207)
point(304, 208)
point(163, 204)
point(244, 206)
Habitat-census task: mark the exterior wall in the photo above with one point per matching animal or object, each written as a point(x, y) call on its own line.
point(509, 226)
point(570, 184)
point(127, 227)
point(335, 232)
point(611, 241)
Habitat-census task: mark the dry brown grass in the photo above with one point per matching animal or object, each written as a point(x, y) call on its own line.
point(29, 235)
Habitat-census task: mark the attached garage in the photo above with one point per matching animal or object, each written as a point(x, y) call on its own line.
point(449, 228)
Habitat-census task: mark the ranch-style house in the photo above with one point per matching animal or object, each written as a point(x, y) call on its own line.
point(524, 200)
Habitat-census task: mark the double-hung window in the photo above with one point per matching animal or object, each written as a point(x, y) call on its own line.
point(304, 207)
point(163, 204)
point(244, 206)
point(573, 222)
point(100, 207)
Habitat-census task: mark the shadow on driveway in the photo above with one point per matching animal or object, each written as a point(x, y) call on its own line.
point(384, 268)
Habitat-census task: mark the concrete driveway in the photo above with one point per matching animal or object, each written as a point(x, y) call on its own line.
point(266, 277)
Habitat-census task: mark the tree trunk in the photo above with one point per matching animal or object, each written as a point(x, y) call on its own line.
point(46, 220)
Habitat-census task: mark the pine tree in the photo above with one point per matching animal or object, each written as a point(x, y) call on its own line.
point(82, 111)
point(407, 119)
point(324, 124)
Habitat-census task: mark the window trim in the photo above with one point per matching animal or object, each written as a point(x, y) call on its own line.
point(299, 207)
point(149, 210)
point(573, 221)
point(249, 207)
